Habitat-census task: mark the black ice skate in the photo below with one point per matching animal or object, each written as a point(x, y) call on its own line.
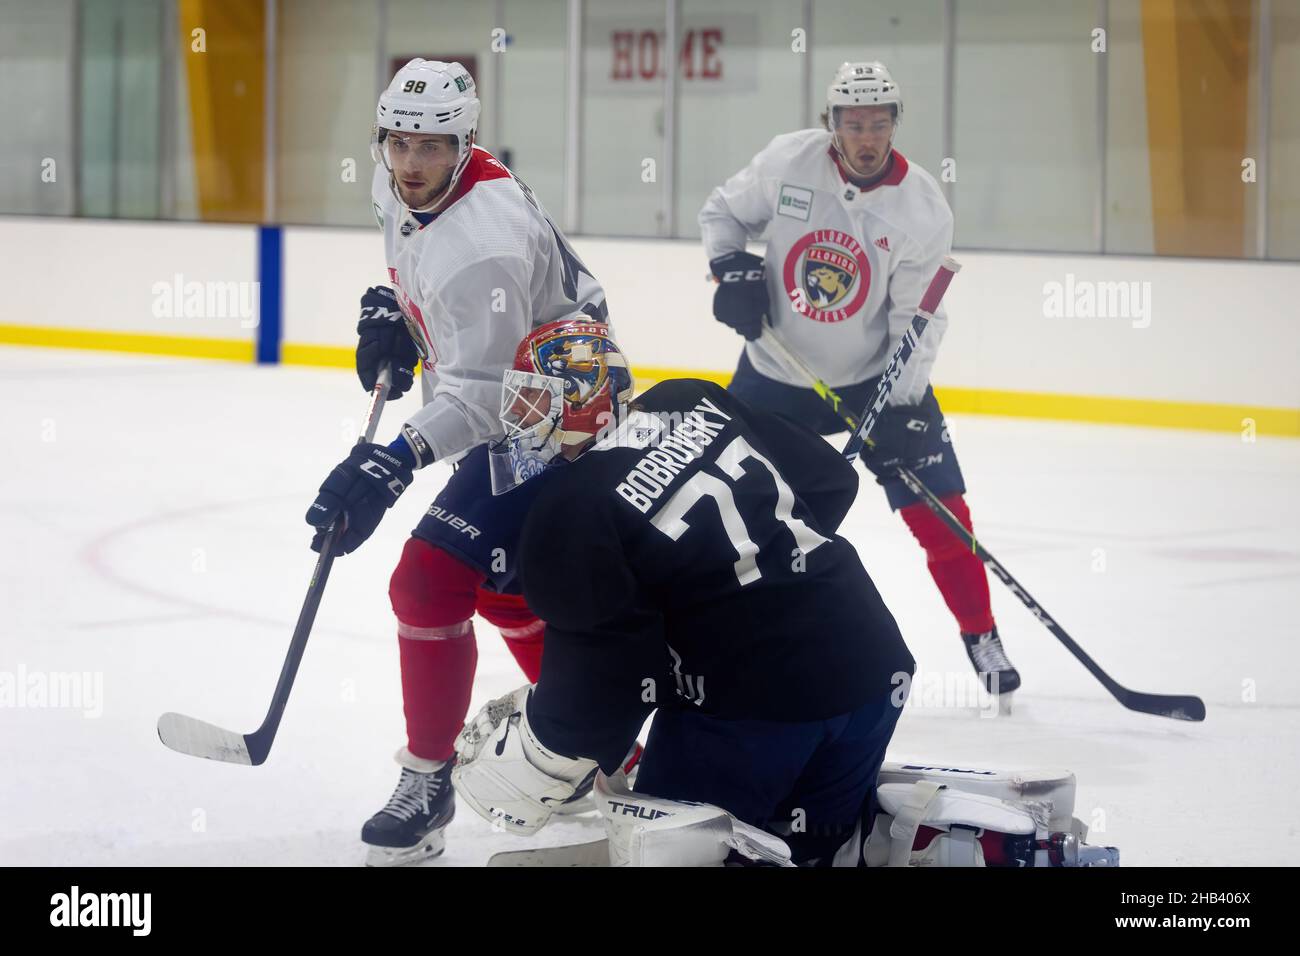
point(411, 827)
point(990, 661)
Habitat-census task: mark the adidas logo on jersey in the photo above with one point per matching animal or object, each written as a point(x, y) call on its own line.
point(883, 243)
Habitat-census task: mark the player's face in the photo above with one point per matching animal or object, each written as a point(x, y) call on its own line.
point(864, 137)
point(531, 405)
point(422, 165)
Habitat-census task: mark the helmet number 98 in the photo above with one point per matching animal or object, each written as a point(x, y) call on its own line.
point(413, 86)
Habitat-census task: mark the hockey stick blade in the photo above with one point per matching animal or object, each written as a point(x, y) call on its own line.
point(1161, 705)
point(1175, 707)
point(198, 738)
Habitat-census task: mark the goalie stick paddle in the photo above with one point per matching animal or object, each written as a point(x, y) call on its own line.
point(198, 738)
point(1174, 706)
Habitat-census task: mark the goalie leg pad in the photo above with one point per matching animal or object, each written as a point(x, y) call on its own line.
point(651, 831)
point(959, 816)
point(504, 772)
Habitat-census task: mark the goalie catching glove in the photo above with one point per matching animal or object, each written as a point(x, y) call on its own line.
point(505, 774)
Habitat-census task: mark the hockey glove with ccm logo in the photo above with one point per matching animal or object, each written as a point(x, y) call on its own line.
point(384, 338)
point(901, 436)
point(363, 486)
point(503, 771)
point(741, 297)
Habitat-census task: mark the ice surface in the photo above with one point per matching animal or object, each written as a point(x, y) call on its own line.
point(154, 538)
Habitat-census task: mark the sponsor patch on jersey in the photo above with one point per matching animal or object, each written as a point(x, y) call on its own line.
point(826, 275)
point(795, 202)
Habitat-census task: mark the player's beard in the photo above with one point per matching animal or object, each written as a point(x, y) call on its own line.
point(425, 195)
point(876, 165)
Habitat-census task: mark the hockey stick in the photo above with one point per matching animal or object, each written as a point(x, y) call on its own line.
point(906, 345)
point(1177, 707)
point(198, 738)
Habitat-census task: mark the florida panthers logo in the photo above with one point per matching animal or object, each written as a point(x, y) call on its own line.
point(579, 361)
point(827, 275)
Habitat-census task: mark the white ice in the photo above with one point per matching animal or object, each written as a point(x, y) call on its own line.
point(153, 537)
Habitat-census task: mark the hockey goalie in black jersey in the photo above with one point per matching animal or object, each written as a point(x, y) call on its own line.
point(682, 549)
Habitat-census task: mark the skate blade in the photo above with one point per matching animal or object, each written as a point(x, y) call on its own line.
point(1005, 702)
point(427, 849)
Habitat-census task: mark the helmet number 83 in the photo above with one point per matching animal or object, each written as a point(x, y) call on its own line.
point(671, 518)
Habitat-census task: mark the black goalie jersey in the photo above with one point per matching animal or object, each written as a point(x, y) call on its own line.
point(690, 559)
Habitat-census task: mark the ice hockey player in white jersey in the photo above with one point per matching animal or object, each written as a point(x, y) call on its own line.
point(474, 264)
point(854, 234)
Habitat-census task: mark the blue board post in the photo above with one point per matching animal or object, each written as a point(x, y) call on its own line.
point(270, 266)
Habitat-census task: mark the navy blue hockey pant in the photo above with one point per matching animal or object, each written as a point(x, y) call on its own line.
point(807, 782)
point(481, 529)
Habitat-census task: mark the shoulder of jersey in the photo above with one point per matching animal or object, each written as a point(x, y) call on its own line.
point(921, 185)
point(676, 394)
point(642, 427)
point(490, 219)
point(800, 147)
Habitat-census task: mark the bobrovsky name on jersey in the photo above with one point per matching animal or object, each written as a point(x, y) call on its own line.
point(646, 482)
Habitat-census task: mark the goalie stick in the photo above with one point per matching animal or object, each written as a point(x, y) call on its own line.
point(198, 738)
point(1177, 707)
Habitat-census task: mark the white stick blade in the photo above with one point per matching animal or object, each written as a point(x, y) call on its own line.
point(201, 739)
point(595, 853)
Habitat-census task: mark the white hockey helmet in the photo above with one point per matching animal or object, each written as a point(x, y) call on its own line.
point(863, 84)
point(428, 96)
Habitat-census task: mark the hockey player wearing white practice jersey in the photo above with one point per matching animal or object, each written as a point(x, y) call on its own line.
point(855, 234)
point(474, 264)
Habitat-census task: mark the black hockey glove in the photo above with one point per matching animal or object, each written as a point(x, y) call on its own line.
point(901, 436)
point(384, 338)
point(741, 298)
point(364, 485)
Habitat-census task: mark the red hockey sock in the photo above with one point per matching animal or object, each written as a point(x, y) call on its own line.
point(520, 628)
point(433, 597)
point(955, 569)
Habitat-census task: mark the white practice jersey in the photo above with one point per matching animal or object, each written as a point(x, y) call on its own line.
point(846, 267)
point(473, 280)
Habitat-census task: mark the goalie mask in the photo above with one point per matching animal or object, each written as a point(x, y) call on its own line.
point(427, 96)
point(570, 383)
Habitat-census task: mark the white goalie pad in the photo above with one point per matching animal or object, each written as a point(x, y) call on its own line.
point(1045, 792)
point(1025, 816)
point(649, 831)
